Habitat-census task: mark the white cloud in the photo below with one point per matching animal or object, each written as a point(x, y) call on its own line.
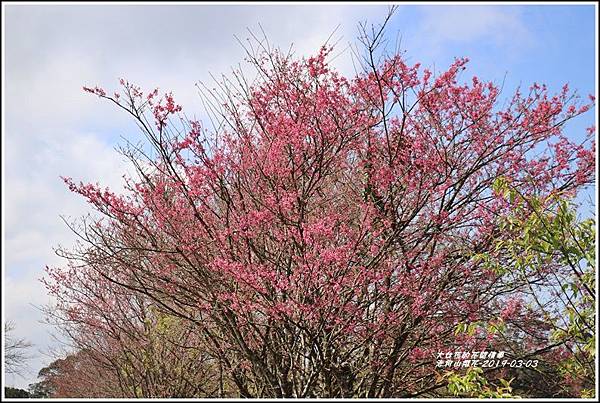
point(34, 197)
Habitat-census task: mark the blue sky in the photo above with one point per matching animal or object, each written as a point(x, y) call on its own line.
point(52, 128)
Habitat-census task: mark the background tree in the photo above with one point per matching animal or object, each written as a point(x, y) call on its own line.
point(76, 375)
point(141, 351)
point(16, 351)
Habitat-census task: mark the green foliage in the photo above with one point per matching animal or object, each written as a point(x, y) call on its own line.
point(587, 394)
point(542, 231)
point(474, 384)
point(489, 327)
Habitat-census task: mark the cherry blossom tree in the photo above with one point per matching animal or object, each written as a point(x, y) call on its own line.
point(124, 340)
point(323, 237)
point(76, 375)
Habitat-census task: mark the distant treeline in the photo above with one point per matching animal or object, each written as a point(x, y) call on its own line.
point(14, 392)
